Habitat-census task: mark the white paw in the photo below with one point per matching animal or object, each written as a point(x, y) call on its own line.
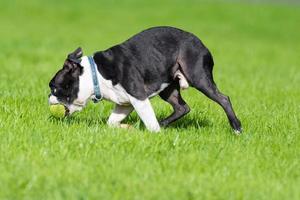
point(126, 126)
point(238, 132)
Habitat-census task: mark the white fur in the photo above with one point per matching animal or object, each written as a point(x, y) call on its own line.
point(53, 100)
point(119, 113)
point(237, 132)
point(86, 87)
point(116, 94)
point(162, 87)
point(146, 113)
point(72, 108)
point(182, 80)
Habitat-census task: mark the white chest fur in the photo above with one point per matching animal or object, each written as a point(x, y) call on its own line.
point(117, 94)
point(114, 93)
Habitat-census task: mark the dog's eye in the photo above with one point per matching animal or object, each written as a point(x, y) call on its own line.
point(53, 90)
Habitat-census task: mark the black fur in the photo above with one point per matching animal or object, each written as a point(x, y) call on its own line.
point(65, 84)
point(146, 61)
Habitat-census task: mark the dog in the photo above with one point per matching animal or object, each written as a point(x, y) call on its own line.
point(157, 61)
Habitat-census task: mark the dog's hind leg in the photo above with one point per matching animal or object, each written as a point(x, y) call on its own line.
point(200, 76)
point(172, 95)
point(212, 92)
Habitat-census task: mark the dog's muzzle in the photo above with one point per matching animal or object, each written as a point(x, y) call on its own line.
point(52, 100)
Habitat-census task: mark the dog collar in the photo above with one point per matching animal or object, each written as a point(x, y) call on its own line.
point(93, 65)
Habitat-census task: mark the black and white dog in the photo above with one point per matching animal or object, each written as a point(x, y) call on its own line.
point(159, 60)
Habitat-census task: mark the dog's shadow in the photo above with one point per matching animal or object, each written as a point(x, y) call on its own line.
point(79, 120)
point(190, 123)
point(187, 122)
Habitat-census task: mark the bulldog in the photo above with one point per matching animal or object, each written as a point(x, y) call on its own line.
point(157, 61)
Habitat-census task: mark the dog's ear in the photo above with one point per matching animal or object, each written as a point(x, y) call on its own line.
point(72, 68)
point(68, 65)
point(75, 56)
point(78, 52)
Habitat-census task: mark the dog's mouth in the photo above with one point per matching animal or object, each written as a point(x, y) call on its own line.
point(67, 111)
point(54, 101)
point(72, 108)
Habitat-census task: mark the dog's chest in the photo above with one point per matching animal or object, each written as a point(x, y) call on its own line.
point(117, 94)
point(114, 93)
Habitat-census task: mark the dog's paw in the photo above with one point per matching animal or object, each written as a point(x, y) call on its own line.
point(126, 126)
point(238, 131)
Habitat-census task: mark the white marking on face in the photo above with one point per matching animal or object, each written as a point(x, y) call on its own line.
point(72, 108)
point(53, 100)
point(84, 93)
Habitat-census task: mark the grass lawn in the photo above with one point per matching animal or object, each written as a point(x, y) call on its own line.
point(256, 47)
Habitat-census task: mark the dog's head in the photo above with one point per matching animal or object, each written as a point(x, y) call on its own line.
point(66, 84)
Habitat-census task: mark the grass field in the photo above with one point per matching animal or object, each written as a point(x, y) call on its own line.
point(256, 49)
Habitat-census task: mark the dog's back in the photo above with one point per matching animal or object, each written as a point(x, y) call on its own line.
point(152, 56)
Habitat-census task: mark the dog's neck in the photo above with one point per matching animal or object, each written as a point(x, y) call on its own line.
point(86, 88)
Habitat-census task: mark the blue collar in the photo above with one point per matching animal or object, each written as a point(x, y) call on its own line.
point(98, 95)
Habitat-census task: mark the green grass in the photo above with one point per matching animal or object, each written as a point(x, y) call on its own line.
point(256, 50)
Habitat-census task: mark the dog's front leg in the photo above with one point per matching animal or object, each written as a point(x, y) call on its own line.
point(146, 113)
point(119, 113)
